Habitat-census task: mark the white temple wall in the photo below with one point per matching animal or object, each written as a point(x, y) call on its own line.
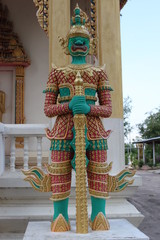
point(22, 13)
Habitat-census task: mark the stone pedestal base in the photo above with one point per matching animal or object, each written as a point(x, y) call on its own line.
point(120, 229)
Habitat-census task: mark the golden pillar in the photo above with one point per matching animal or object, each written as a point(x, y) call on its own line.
point(59, 25)
point(110, 49)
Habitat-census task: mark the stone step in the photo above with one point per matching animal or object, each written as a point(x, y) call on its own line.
point(19, 203)
point(11, 236)
point(15, 217)
point(120, 229)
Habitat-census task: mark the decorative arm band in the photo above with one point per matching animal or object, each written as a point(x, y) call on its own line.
point(105, 107)
point(56, 109)
point(101, 111)
point(51, 109)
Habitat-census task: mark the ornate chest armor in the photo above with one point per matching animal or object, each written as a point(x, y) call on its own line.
point(60, 90)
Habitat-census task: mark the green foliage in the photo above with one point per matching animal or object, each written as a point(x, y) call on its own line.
point(131, 150)
point(135, 163)
point(148, 129)
point(150, 163)
point(157, 165)
point(140, 163)
point(148, 153)
point(126, 158)
point(151, 125)
point(127, 108)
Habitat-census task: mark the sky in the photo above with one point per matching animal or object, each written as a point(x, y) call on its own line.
point(140, 41)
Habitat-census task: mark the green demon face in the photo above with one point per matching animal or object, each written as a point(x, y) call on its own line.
point(78, 46)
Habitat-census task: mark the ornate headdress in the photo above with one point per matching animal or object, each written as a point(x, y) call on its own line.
point(80, 26)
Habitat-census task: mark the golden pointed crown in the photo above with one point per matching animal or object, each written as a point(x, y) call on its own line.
point(80, 26)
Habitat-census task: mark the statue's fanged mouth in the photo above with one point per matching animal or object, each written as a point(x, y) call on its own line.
point(78, 48)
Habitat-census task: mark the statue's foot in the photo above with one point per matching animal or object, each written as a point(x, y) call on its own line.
point(60, 224)
point(100, 223)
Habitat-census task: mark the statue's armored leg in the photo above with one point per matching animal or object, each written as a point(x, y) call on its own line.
point(60, 172)
point(97, 182)
point(98, 205)
point(98, 214)
point(60, 218)
point(61, 207)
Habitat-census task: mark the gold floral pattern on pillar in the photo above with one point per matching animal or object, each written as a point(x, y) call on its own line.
point(94, 23)
point(42, 13)
point(19, 111)
point(20, 94)
point(2, 104)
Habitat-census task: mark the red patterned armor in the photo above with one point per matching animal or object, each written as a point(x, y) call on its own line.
point(59, 91)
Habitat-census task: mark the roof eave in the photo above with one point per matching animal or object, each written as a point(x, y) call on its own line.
point(122, 3)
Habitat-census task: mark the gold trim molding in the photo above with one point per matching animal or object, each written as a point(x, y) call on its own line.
point(43, 14)
point(19, 99)
point(19, 95)
point(2, 104)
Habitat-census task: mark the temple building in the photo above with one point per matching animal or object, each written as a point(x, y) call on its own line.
point(29, 46)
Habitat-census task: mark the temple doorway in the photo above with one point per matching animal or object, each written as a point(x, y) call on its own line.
point(6, 87)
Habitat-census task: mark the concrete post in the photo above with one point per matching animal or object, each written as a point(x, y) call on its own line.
point(144, 153)
point(154, 157)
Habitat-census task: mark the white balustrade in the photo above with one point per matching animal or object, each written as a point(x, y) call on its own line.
point(27, 131)
point(13, 156)
point(39, 151)
point(26, 154)
point(2, 149)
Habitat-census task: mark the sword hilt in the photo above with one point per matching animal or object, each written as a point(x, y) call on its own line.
point(78, 83)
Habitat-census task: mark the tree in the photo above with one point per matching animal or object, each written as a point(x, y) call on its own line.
point(151, 125)
point(148, 129)
point(127, 108)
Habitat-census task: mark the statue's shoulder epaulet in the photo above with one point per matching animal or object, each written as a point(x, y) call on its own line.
point(54, 67)
point(61, 68)
point(103, 67)
point(65, 70)
point(99, 68)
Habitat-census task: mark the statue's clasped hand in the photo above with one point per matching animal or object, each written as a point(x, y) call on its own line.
point(78, 105)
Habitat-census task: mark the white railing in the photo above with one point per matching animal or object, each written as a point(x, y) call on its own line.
point(2, 149)
point(27, 131)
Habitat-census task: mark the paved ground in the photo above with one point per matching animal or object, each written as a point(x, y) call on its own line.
point(147, 201)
